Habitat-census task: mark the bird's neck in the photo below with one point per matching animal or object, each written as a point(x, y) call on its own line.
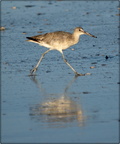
point(76, 37)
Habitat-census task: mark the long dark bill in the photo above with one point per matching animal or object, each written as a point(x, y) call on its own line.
point(90, 34)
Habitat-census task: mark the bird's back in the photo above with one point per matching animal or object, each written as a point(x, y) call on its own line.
point(54, 40)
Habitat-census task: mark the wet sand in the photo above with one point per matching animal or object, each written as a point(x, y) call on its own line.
point(54, 106)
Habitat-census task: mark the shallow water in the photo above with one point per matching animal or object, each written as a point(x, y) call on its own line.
point(55, 106)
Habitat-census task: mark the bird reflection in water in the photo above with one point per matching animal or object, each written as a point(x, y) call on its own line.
point(58, 112)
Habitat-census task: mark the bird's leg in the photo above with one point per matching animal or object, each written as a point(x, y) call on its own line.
point(35, 68)
point(76, 73)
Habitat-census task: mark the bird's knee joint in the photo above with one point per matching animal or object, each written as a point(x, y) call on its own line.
point(43, 55)
point(65, 60)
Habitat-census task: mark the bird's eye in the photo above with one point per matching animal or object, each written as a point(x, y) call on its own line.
point(81, 30)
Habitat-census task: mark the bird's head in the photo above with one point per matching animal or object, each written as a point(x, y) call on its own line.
point(79, 31)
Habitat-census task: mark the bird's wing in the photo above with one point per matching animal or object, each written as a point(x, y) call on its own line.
point(50, 38)
point(58, 36)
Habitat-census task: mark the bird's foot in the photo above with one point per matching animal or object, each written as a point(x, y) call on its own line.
point(33, 71)
point(79, 74)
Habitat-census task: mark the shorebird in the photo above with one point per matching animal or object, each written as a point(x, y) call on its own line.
point(59, 41)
